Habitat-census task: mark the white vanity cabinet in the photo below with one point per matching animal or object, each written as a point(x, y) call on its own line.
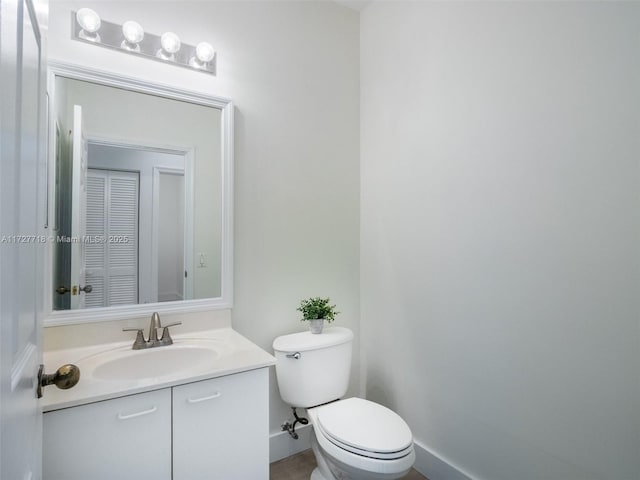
point(213, 429)
point(124, 438)
point(221, 428)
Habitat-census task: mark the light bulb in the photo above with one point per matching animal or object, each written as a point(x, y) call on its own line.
point(204, 54)
point(89, 21)
point(170, 42)
point(133, 35)
point(170, 45)
point(132, 31)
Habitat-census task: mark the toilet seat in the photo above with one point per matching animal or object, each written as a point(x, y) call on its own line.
point(365, 428)
point(366, 453)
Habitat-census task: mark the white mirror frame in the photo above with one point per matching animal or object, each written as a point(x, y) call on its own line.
point(90, 315)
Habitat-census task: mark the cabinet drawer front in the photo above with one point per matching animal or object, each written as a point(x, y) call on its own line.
point(125, 438)
point(221, 428)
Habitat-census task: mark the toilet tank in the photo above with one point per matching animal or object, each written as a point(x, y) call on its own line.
point(321, 372)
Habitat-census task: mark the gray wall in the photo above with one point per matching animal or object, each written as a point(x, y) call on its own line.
point(500, 232)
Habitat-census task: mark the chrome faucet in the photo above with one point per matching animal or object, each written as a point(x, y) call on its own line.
point(152, 340)
point(153, 327)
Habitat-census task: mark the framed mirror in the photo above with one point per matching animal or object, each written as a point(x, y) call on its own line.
point(140, 198)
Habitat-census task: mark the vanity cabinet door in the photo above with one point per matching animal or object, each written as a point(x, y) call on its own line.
point(127, 438)
point(221, 428)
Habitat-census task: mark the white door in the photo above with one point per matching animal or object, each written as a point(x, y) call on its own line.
point(22, 237)
point(79, 211)
point(168, 230)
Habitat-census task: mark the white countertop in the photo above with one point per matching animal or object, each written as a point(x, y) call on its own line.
point(237, 355)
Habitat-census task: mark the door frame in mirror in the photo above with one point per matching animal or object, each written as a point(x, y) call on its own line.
point(225, 300)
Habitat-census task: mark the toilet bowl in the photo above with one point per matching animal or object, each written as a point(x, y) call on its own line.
point(353, 438)
point(360, 440)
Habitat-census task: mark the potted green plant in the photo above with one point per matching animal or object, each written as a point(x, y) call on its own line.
point(316, 310)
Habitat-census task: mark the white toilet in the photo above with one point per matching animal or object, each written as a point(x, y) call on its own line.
point(353, 438)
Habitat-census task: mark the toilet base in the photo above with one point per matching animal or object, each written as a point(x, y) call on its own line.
point(316, 475)
point(322, 471)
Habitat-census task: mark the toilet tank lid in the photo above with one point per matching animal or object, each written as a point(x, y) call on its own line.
point(304, 341)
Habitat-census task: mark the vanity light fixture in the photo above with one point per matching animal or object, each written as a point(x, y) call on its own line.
point(131, 38)
point(133, 35)
point(89, 22)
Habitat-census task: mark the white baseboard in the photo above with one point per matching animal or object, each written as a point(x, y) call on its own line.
point(434, 467)
point(281, 445)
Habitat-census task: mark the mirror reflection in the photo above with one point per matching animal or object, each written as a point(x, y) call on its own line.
point(138, 198)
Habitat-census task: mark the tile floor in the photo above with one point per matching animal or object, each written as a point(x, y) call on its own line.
point(300, 466)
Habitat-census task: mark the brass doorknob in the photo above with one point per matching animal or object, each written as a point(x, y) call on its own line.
point(66, 376)
point(62, 290)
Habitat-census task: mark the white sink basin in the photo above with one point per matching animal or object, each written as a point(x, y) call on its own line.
point(126, 364)
point(154, 362)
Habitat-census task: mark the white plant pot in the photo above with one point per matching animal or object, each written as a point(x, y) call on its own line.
point(316, 325)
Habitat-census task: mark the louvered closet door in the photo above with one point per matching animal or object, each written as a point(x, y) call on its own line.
point(112, 215)
point(96, 253)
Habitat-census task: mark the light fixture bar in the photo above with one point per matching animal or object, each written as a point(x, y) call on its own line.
point(110, 36)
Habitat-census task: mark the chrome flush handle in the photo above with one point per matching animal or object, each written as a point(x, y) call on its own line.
point(295, 355)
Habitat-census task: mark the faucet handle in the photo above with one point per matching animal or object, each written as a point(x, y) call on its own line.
point(166, 336)
point(172, 324)
point(133, 329)
point(140, 341)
